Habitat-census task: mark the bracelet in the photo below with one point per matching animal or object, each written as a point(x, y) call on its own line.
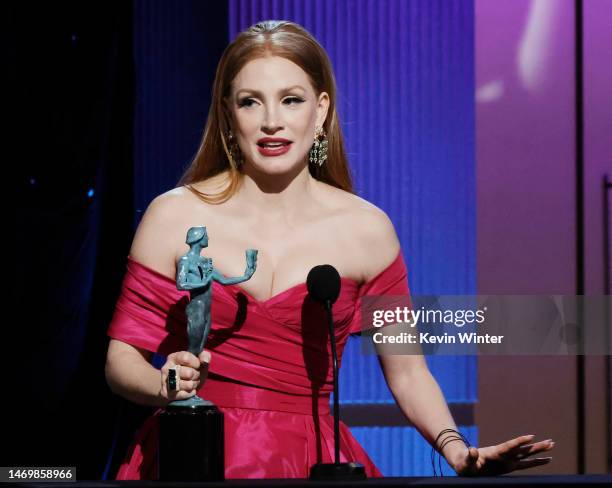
point(457, 436)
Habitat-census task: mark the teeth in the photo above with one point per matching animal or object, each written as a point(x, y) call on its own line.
point(273, 144)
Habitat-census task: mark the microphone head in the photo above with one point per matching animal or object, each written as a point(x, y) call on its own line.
point(323, 283)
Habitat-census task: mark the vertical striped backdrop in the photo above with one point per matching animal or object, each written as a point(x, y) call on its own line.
point(405, 75)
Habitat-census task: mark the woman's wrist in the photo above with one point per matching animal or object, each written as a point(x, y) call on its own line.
point(455, 453)
point(453, 445)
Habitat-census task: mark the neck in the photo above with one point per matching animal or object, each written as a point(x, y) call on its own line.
point(195, 249)
point(274, 197)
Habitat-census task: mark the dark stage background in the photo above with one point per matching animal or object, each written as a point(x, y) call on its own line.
point(73, 103)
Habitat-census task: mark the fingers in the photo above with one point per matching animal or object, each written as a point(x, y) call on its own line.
point(522, 450)
point(506, 457)
point(189, 365)
point(191, 374)
point(185, 388)
point(530, 449)
point(187, 373)
point(204, 357)
point(188, 385)
point(184, 358)
point(473, 454)
point(518, 441)
point(511, 447)
point(472, 459)
point(530, 463)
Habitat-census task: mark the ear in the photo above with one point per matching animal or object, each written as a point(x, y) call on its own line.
point(322, 108)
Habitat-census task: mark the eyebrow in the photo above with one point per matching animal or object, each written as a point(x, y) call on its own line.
point(282, 90)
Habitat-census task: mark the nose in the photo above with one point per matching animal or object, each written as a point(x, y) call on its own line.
point(271, 122)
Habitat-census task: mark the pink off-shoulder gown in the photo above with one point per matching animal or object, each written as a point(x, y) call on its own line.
point(270, 371)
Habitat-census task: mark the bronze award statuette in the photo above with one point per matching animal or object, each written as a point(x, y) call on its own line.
point(191, 446)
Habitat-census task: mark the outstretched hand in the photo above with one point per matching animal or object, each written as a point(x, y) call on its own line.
point(503, 458)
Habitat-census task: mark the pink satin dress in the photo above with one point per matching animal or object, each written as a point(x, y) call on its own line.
point(270, 370)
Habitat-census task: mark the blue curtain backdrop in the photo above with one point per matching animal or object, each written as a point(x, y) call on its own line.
point(177, 45)
point(405, 75)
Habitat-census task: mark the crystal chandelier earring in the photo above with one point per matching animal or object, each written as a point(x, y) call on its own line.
point(234, 149)
point(318, 151)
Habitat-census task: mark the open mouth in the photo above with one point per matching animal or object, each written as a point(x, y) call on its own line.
point(273, 145)
point(270, 149)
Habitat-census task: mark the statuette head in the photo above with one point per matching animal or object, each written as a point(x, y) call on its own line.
point(197, 234)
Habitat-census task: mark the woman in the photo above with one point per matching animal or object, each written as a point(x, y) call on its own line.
point(271, 174)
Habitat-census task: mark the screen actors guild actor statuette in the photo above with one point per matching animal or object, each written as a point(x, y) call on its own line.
point(196, 273)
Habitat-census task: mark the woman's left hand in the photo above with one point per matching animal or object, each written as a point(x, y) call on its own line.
point(502, 458)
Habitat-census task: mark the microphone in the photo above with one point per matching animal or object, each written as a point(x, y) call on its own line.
point(323, 284)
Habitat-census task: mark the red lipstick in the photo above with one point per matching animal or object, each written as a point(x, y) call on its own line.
point(273, 146)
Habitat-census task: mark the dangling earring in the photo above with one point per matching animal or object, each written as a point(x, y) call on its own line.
point(318, 151)
point(234, 149)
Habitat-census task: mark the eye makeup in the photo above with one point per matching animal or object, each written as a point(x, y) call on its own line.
point(247, 101)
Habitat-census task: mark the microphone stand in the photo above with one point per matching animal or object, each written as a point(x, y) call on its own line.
point(336, 470)
point(332, 338)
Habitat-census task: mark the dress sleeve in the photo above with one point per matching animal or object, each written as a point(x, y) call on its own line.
point(391, 282)
point(150, 311)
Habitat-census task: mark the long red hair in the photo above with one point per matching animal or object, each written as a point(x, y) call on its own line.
point(268, 38)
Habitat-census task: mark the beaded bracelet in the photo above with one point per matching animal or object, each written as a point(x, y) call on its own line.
point(450, 438)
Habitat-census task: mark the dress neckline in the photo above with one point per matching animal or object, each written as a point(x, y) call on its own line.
point(280, 294)
point(276, 296)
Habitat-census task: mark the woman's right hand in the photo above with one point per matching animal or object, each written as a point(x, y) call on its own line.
point(193, 371)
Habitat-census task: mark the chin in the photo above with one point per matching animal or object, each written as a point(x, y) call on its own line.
point(276, 165)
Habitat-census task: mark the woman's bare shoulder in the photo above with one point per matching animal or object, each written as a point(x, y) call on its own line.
point(162, 230)
point(212, 185)
point(370, 228)
point(175, 203)
point(366, 217)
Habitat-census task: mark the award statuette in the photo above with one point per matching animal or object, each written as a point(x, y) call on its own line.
point(191, 446)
